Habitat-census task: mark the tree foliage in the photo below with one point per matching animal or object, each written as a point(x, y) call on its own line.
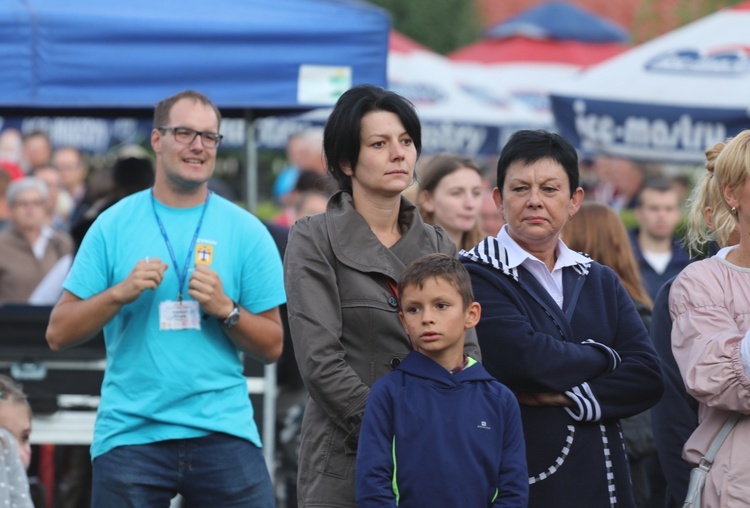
point(653, 19)
point(441, 25)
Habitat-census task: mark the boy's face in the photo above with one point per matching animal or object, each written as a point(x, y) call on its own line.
point(436, 320)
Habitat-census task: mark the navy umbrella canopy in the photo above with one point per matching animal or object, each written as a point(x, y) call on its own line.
point(551, 32)
point(559, 21)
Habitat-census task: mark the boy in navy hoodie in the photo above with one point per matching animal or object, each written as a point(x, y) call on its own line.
point(439, 431)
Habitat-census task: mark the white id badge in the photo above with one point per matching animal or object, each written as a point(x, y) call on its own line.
point(183, 315)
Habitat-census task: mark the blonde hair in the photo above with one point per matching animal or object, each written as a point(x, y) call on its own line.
point(434, 171)
point(598, 231)
point(10, 391)
point(733, 163)
point(707, 194)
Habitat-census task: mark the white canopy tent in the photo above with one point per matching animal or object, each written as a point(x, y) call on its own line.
point(666, 100)
point(468, 108)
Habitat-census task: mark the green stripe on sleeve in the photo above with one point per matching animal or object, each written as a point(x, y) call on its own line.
point(394, 482)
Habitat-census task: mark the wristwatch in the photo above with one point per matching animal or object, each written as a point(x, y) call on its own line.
point(233, 316)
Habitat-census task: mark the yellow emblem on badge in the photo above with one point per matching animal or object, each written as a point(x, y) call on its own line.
point(204, 254)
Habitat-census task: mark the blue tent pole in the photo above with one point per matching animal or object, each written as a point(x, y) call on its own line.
point(269, 372)
point(270, 393)
point(251, 168)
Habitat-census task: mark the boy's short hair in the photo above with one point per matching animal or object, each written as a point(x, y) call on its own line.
point(439, 266)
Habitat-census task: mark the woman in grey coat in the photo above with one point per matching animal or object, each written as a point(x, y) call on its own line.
point(341, 269)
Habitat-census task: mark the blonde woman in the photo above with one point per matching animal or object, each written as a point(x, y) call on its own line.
point(709, 303)
point(710, 227)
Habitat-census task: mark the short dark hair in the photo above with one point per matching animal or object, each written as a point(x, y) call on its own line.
point(438, 266)
point(341, 136)
point(132, 174)
point(37, 133)
point(164, 107)
point(659, 185)
point(530, 146)
point(309, 180)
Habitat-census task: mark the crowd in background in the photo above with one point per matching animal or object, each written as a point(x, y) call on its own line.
point(49, 198)
point(631, 220)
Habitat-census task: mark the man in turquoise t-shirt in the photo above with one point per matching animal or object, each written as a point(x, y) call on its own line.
point(181, 281)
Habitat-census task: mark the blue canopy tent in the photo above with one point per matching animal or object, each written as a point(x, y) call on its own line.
point(126, 55)
point(252, 57)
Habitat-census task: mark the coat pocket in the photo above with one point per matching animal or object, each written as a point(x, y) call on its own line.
point(337, 462)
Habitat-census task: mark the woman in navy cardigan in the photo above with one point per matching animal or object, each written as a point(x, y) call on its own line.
point(560, 331)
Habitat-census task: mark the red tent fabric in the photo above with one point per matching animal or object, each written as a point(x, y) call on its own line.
point(402, 44)
point(525, 49)
point(551, 32)
point(13, 169)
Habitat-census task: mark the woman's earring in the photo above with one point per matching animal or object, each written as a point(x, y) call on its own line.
point(734, 211)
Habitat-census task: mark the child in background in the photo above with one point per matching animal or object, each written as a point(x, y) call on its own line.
point(439, 431)
point(15, 450)
point(15, 416)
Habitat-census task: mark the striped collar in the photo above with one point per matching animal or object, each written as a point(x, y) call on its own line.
point(517, 255)
point(492, 252)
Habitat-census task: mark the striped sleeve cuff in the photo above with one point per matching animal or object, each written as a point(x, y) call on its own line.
point(587, 407)
point(612, 355)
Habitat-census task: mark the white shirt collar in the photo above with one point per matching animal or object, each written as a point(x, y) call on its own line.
point(40, 246)
point(517, 254)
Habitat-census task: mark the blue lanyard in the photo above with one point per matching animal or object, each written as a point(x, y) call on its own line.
point(182, 277)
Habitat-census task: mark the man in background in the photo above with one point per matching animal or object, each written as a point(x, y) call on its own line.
point(618, 182)
point(29, 248)
point(59, 203)
point(73, 173)
point(659, 254)
point(37, 150)
point(4, 208)
point(129, 175)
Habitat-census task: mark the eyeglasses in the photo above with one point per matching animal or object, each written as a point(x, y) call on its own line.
point(186, 136)
point(29, 203)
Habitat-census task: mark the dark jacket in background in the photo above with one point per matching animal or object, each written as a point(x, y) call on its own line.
point(654, 281)
point(675, 417)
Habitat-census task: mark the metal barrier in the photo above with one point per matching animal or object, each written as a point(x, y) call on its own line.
point(64, 386)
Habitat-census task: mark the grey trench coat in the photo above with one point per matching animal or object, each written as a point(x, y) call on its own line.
point(346, 332)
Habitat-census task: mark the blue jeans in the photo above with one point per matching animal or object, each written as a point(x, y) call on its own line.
point(216, 471)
